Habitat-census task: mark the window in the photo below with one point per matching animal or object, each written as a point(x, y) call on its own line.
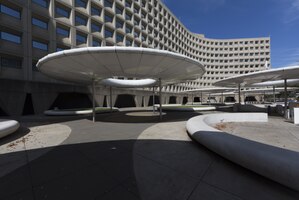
point(136, 22)
point(42, 3)
point(128, 4)
point(119, 24)
point(40, 23)
point(80, 38)
point(80, 3)
point(59, 49)
point(34, 68)
point(119, 38)
point(11, 62)
point(62, 31)
point(95, 11)
point(128, 29)
point(128, 16)
point(80, 20)
point(108, 33)
point(128, 43)
point(119, 10)
point(10, 11)
point(62, 12)
point(96, 27)
point(108, 3)
point(10, 37)
point(39, 45)
point(108, 18)
point(96, 43)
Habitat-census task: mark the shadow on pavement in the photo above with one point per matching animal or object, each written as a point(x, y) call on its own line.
point(131, 169)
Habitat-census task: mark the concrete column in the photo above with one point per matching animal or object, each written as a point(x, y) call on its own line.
point(160, 95)
point(93, 101)
point(145, 101)
point(285, 98)
point(239, 93)
point(110, 102)
point(138, 100)
point(274, 96)
point(154, 99)
point(42, 101)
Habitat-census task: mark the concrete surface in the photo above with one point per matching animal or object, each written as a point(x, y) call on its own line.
point(127, 157)
point(263, 159)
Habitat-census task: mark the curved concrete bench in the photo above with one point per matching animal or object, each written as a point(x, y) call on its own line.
point(278, 164)
point(75, 112)
point(8, 126)
point(189, 109)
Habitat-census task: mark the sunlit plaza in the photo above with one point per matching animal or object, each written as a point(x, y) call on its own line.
point(118, 99)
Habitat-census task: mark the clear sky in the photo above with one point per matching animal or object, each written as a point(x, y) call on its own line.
point(223, 19)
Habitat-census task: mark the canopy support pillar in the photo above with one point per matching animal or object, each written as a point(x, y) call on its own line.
point(160, 96)
point(93, 101)
point(285, 98)
point(209, 98)
point(110, 98)
point(153, 99)
point(201, 99)
point(274, 96)
point(239, 93)
point(222, 100)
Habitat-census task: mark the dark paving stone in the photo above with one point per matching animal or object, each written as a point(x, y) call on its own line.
point(87, 183)
point(183, 156)
point(57, 163)
point(206, 192)
point(241, 182)
point(24, 195)
point(118, 193)
point(159, 182)
point(16, 181)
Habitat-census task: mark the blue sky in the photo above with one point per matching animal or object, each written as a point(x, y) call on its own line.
point(222, 19)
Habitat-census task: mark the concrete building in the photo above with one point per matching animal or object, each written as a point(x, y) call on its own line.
point(31, 29)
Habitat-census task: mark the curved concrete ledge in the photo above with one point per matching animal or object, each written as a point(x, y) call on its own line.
point(76, 112)
point(8, 126)
point(278, 164)
point(189, 108)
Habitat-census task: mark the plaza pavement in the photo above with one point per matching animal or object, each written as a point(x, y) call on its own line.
point(122, 157)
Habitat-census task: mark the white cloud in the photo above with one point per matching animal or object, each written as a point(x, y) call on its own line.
point(292, 11)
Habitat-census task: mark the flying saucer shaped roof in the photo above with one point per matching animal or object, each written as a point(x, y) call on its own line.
point(210, 90)
point(82, 65)
point(261, 76)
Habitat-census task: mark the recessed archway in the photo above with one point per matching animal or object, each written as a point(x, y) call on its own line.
point(68, 100)
point(157, 100)
point(172, 100)
point(230, 99)
point(125, 101)
point(196, 99)
point(185, 100)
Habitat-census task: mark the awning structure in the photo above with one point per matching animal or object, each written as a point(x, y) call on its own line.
point(83, 65)
point(261, 76)
point(280, 74)
point(96, 65)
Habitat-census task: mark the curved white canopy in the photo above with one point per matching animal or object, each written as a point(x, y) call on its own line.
point(82, 65)
point(211, 90)
point(261, 76)
point(278, 83)
point(128, 83)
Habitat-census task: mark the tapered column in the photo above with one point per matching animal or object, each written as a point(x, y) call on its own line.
point(239, 93)
point(274, 96)
point(285, 98)
point(160, 96)
point(110, 99)
point(154, 99)
point(93, 101)
point(222, 100)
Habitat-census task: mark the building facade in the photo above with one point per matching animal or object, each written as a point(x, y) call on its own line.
point(31, 29)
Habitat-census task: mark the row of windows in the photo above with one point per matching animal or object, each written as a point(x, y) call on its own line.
point(80, 20)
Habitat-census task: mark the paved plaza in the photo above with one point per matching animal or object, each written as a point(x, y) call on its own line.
point(123, 156)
